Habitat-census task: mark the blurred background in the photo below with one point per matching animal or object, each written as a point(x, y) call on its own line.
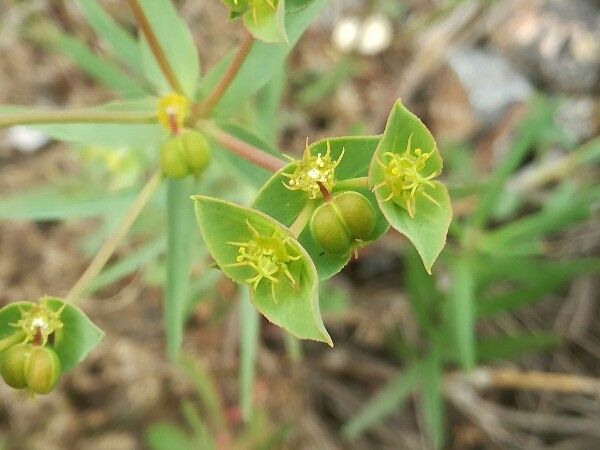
point(510, 91)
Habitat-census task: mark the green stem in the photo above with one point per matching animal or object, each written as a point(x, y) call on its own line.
point(204, 108)
point(351, 183)
point(113, 241)
point(154, 45)
point(11, 340)
point(303, 218)
point(74, 116)
point(244, 150)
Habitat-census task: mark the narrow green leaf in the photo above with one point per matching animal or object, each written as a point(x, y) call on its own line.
point(264, 60)
point(510, 347)
point(423, 295)
point(389, 399)
point(77, 337)
point(202, 435)
point(292, 6)
point(121, 42)
point(164, 436)
point(266, 22)
point(97, 67)
point(290, 299)
point(432, 402)
point(268, 99)
point(180, 226)
point(55, 203)
point(248, 341)
point(421, 211)
point(176, 42)
point(462, 311)
point(285, 205)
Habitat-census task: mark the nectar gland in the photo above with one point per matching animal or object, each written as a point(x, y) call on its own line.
point(312, 173)
point(172, 111)
point(268, 256)
point(403, 177)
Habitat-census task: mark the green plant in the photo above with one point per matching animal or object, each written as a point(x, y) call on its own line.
point(269, 247)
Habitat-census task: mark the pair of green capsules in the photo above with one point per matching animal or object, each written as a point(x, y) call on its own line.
point(343, 223)
point(185, 153)
point(32, 367)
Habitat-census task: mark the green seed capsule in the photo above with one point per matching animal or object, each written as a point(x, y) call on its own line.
point(237, 5)
point(328, 229)
point(42, 370)
point(197, 151)
point(358, 214)
point(13, 365)
point(173, 158)
point(184, 154)
point(338, 224)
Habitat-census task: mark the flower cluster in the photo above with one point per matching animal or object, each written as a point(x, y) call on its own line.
point(39, 322)
point(403, 177)
point(313, 173)
point(268, 256)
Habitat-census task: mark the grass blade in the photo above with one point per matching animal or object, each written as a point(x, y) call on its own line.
point(431, 398)
point(249, 337)
point(385, 402)
point(462, 312)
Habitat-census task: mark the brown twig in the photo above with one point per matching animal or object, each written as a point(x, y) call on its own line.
point(154, 45)
point(204, 108)
point(249, 152)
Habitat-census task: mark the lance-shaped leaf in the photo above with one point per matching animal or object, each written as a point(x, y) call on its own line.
point(354, 154)
point(402, 173)
point(252, 248)
point(265, 20)
point(72, 341)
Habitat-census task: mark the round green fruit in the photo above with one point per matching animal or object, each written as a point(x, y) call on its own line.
point(344, 221)
point(197, 151)
point(13, 364)
point(42, 370)
point(184, 154)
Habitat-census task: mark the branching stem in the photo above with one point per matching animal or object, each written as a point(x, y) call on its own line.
point(157, 51)
point(113, 241)
point(74, 116)
point(238, 147)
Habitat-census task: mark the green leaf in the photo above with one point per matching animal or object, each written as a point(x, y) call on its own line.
point(428, 228)
point(285, 205)
point(294, 307)
point(180, 225)
point(176, 42)
point(292, 6)
point(72, 342)
point(389, 399)
point(164, 436)
point(262, 62)
point(462, 311)
point(508, 347)
point(266, 22)
point(54, 203)
point(268, 99)
point(248, 341)
point(121, 42)
point(101, 69)
point(432, 402)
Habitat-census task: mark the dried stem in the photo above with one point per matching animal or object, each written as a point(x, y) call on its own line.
point(249, 152)
point(154, 45)
point(203, 109)
point(113, 241)
point(74, 116)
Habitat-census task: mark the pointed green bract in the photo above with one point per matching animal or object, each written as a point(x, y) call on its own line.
point(72, 341)
point(354, 154)
point(253, 249)
point(265, 20)
point(402, 173)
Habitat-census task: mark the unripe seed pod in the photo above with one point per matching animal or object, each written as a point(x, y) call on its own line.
point(42, 370)
point(328, 229)
point(173, 158)
point(339, 223)
point(197, 151)
point(13, 364)
point(237, 5)
point(358, 214)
